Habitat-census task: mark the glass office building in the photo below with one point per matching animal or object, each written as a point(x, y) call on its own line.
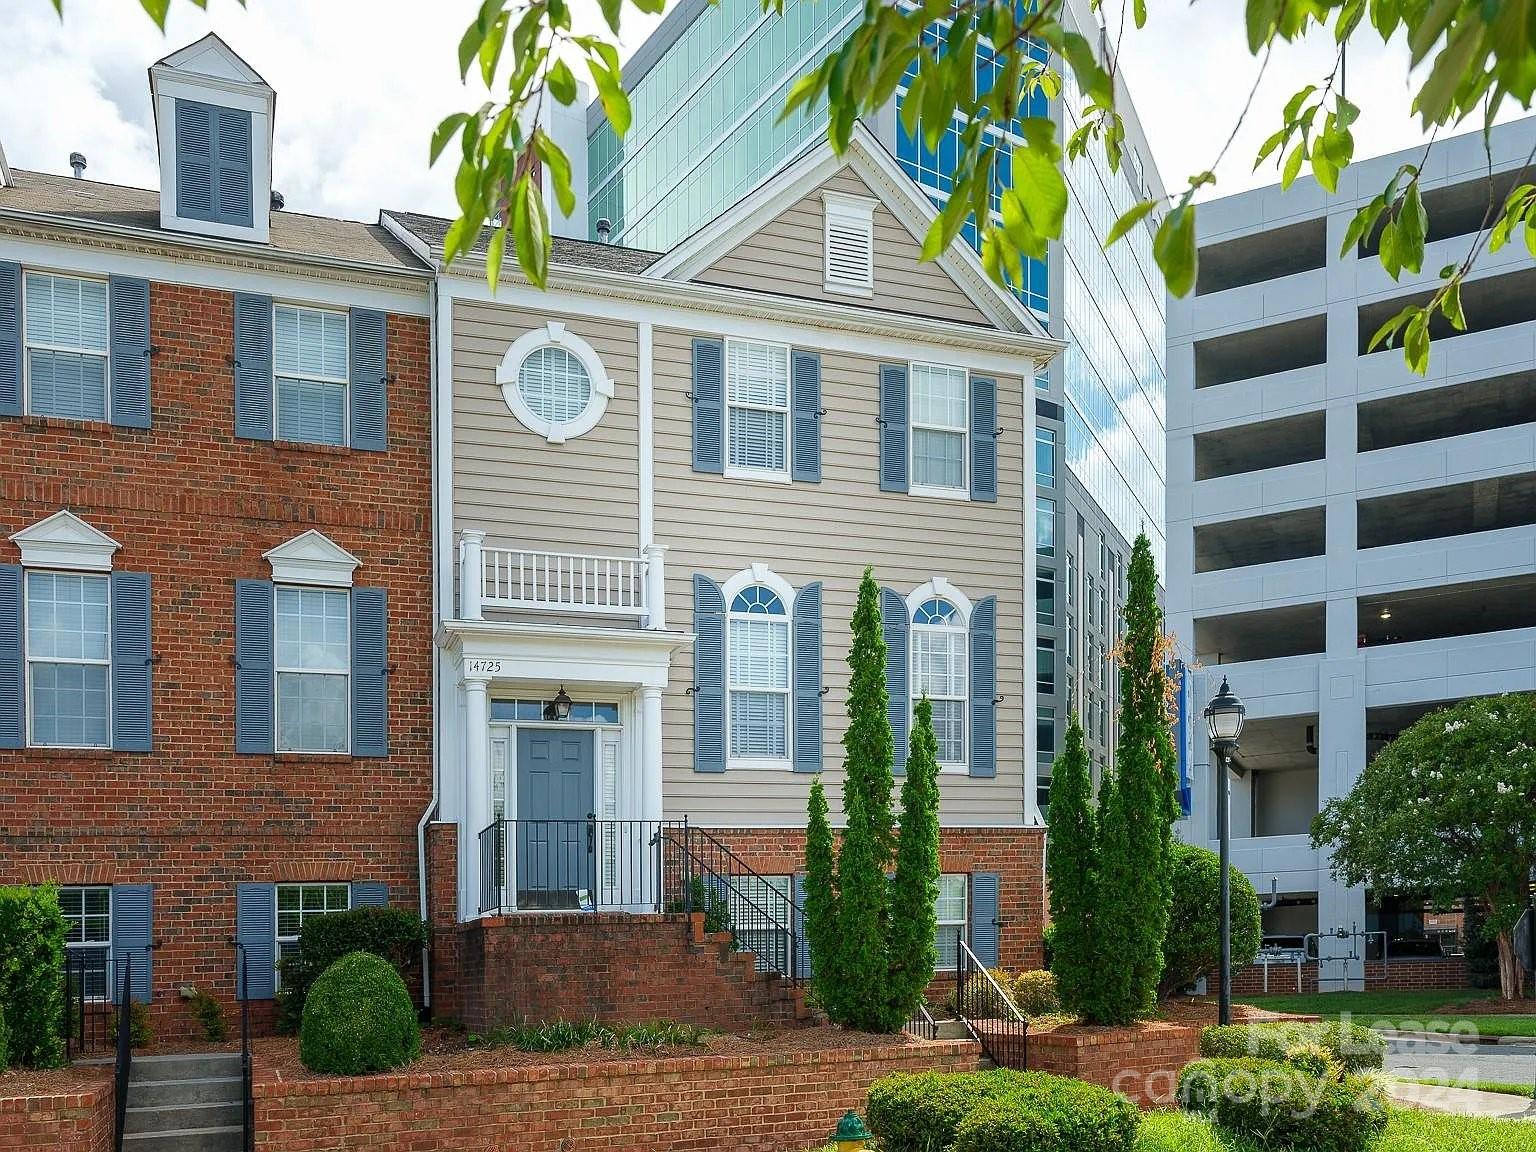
point(707, 89)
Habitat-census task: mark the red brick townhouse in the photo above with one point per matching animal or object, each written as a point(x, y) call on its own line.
point(215, 556)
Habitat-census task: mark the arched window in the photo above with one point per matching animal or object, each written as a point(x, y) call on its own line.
point(757, 672)
point(939, 671)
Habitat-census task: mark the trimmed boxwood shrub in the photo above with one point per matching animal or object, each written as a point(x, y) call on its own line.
point(392, 933)
point(1275, 1105)
point(5, 1043)
point(32, 936)
point(998, 1111)
point(1034, 993)
point(1192, 947)
point(359, 1018)
point(1357, 1049)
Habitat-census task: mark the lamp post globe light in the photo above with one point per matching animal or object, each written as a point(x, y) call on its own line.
point(1224, 719)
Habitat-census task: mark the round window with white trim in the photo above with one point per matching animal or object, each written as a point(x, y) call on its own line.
point(554, 383)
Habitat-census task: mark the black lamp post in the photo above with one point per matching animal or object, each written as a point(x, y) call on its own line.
point(1224, 718)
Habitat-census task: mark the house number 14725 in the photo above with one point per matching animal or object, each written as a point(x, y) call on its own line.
point(483, 667)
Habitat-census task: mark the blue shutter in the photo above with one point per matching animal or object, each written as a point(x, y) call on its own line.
point(708, 406)
point(984, 917)
point(370, 894)
point(253, 366)
point(12, 682)
point(983, 439)
point(370, 676)
point(894, 623)
point(194, 160)
point(893, 427)
point(256, 932)
point(132, 917)
point(10, 339)
point(128, 306)
point(370, 404)
point(254, 683)
point(708, 675)
point(802, 942)
point(807, 728)
point(131, 667)
point(805, 402)
point(232, 167)
point(983, 759)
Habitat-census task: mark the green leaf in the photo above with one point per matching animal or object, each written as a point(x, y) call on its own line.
point(1412, 226)
point(1323, 168)
point(1042, 191)
point(610, 90)
point(445, 132)
point(1139, 13)
point(612, 11)
point(490, 49)
point(1433, 103)
point(1174, 249)
point(157, 10)
point(1293, 165)
point(494, 251)
point(1129, 220)
point(1276, 140)
point(559, 167)
point(1450, 306)
point(1261, 16)
point(562, 82)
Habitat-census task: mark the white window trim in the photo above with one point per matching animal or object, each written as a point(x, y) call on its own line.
point(344, 380)
point(278, 939)
point(312, 558)
point(27, 345)
point(279, 669)
point(941, 589)
point(737, 471)
point(938, 491)
point(95, 946)
point(854, 213)
point(964, 922)
point(557, 335)
point(746, 578)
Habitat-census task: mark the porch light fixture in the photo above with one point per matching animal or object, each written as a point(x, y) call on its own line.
point(851, 1135)
point(1224, 717)
point(560, 707)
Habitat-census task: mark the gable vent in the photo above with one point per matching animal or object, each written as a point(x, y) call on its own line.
point(850, 243)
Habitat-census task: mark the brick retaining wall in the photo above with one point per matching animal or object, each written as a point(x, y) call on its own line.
point(1450, 973)
point(1143, 1062)
point(66, 1122)
point(775, 1103)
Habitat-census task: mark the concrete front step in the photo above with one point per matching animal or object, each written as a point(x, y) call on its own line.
point(204, 1090)
point(226, 1138)
point(188, 1066)
point(175, 1117)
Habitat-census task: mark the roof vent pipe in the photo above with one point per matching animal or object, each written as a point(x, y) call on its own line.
point(604, 230)
point(77, 162)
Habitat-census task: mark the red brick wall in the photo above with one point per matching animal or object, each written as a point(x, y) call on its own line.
point(780, 1103)
point(1017, 855)
point(443, 901)
point(1143, 1061)
point(68, 1122)
point(196, 508)
point(616, 968)
point(1415, 973)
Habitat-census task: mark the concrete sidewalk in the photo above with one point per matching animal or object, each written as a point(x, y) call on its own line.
point(1463, 1101)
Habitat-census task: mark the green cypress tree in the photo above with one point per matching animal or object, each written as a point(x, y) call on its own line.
point(1136, 816)
point(863, 892)
point(1072, 865)
point(915, 889)
point(821, 913)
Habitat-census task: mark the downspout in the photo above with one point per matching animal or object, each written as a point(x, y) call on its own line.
point(431, 809)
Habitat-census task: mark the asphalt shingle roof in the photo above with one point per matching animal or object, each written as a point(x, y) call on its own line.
point(571, 253)
point(91, 201)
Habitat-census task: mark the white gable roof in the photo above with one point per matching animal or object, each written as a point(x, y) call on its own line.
point(312, 558)
point(210, 58)
point(896, 190)
point(64, 540)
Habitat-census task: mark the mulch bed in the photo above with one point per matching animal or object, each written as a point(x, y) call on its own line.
point(53, 1081)
point(445, 1050)
point(1483, 1008)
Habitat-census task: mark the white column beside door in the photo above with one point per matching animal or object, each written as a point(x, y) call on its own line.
point(650, 754)
point(477, 791)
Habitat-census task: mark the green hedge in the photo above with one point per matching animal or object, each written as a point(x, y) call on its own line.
point(5, 1043)
point(998, 1111)
point(1357, 1049)
point(358, 1018)
point(32, 933)
point(391, 933)
point(1275, 1106)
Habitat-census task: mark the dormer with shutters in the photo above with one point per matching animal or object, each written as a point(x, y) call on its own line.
point(213, 117)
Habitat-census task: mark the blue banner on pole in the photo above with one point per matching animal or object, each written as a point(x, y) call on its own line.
point(1181, 738)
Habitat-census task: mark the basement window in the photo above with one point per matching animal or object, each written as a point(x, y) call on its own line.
point(850, 243)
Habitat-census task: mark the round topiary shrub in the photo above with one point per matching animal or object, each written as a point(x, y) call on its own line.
point(1034, 993)
point(358, 1018)
point(1192, 947)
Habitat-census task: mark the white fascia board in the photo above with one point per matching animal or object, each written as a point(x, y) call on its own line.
point(571, 654)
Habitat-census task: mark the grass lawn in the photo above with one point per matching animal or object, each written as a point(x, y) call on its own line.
point(1408, 1131)
point(1475, 1085)
point(1431, 1010)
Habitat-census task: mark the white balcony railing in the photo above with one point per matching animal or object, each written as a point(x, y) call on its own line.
point(569, 582)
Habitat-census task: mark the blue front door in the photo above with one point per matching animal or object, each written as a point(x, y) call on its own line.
point(556, 839)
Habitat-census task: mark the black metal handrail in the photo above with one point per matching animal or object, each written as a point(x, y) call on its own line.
point(922, 1024)
point(247, 1103)
point(124, 1063)
point(577, 865)
point(754, 928)
point(87, 1023)
point(988, 1012)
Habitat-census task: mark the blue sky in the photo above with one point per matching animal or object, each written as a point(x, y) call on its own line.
point(361, 83)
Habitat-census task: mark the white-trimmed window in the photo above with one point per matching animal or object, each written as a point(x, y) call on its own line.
point(88, 936)
point(757, 674)
point(314, 665)
point(757, 408)
point(312, 362)
point(66, 338)
point(297, 903)
point(850, 243)
point(940, 422)
point(554, 383)
point(939, 672)
point(949, 909)
point(759, 914)
point(69, 658)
